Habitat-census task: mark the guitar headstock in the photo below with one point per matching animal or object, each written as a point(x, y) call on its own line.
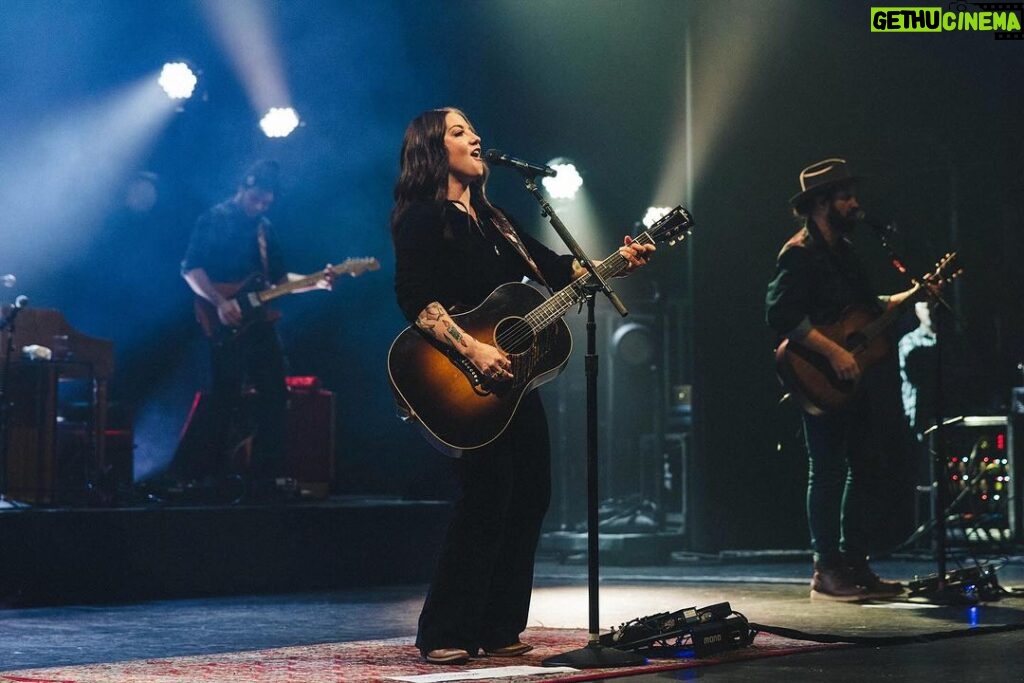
point(673, 227)
point(944, 272)
point(355, 267)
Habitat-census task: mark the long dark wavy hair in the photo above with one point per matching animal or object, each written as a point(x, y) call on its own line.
point(424, 167)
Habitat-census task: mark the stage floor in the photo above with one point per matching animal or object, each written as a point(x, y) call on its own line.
point(769, 593)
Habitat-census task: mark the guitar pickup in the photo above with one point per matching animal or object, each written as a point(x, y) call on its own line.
point(253, 300)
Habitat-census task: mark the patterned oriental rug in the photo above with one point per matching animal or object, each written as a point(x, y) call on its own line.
point(379, 660)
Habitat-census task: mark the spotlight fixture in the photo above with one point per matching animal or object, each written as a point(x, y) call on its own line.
point(654, 214)
point(177, 80)
point(566, 183)
point(279, 122)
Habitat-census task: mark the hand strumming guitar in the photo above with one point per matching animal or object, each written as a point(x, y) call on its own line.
point(229, 313)
point(489, 360)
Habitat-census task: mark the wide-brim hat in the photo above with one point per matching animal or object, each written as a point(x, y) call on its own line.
point(821, 176)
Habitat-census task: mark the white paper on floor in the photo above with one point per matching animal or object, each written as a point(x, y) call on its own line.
point(479, 674)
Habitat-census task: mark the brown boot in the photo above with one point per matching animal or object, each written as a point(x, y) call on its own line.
point(874, 587)
point(835, 583)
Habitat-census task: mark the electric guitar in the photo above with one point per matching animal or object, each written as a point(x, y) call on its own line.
point(253, 292)
point(808, 375)
point(456, 406)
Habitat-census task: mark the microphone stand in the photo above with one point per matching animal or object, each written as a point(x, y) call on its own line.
point(594, 655)
point(942, 593)
point(6, 325)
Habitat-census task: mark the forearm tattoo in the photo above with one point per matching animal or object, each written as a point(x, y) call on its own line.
point(436, 321)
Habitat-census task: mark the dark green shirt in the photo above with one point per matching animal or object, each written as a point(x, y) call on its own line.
point(814, 285)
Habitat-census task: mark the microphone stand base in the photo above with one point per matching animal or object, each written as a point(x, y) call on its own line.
point(595, 656)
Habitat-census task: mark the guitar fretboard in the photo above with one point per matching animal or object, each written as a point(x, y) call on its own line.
point(555, 307)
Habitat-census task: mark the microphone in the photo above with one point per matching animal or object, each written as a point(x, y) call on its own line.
point(499, 158)
point(11, 313)
point(880, 229)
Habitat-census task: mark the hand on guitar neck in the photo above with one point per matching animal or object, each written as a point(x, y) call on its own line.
point(326, 281)
point(225, 308)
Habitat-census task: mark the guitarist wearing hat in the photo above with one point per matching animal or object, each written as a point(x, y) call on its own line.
point(233, 243)
point(817, 278)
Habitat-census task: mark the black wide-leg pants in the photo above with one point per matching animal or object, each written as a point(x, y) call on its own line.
point(480, 594)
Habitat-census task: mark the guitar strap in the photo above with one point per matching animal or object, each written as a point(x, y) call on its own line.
point(504, 227)
point(261, 241)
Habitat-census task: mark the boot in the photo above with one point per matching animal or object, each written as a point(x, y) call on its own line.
point(875, 587)
point(835, 583)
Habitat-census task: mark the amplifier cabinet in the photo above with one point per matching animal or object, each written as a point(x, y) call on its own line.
point(310, 440)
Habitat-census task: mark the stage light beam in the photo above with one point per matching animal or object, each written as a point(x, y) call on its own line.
point(245, 31)
point(68, 169)
point(279, 122)
point(177, 80)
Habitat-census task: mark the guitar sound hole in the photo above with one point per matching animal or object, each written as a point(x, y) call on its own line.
point(514, 335)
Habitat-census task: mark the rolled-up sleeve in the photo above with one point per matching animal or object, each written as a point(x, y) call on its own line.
point(198, 252)
point(788, 300)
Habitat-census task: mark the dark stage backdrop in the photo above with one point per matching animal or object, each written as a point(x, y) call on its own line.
point(930, 120)
point(772, 85)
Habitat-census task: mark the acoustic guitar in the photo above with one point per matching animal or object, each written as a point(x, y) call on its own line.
point(457, 407)
point(808, 375)
point(254, 292)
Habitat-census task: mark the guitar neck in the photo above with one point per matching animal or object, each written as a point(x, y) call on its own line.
point(555, 307)
point(288, 287)
point(310, 280)
point(883, 321)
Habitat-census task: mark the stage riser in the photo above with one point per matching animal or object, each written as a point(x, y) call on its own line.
point(87, 556)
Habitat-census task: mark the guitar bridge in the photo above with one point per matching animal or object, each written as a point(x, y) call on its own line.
point(476, 379)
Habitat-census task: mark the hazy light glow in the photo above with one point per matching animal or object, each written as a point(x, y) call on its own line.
point(68, 171)
point(654, 214)
point(723, 59)
point(244, 31)
point(278, 122)
point(177, 80)
point(566, 183)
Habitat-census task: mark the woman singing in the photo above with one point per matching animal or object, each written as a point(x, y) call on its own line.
point(452, 248)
